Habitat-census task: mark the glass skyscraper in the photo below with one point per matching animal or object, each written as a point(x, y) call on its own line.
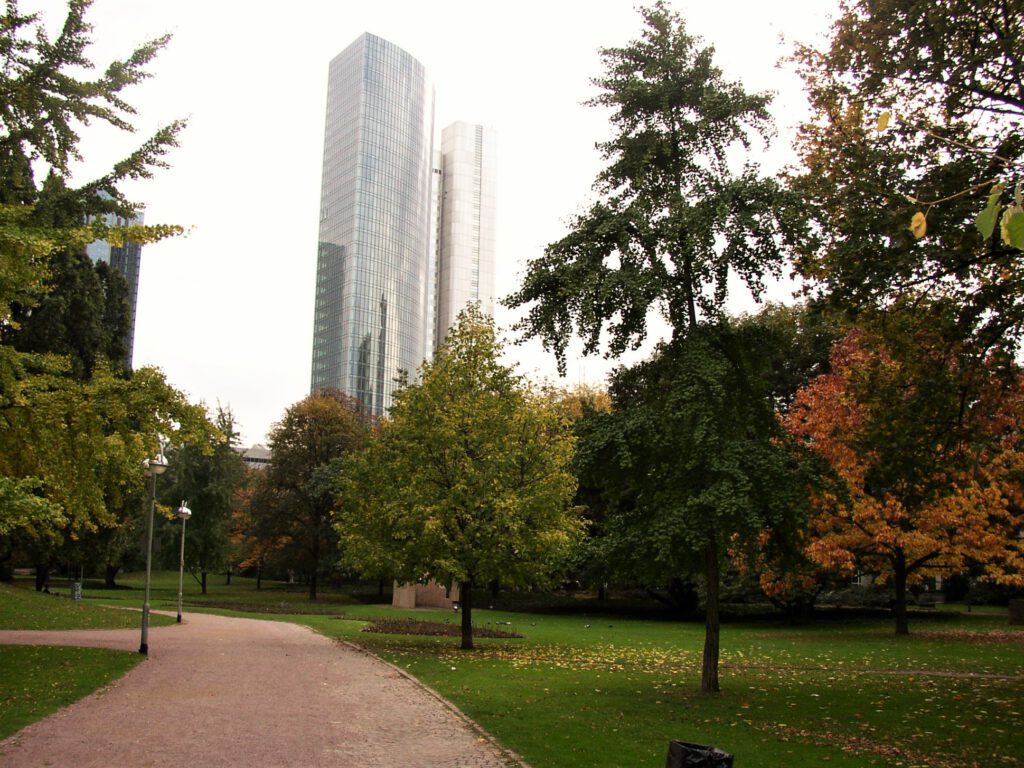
point(126, 260)
point(465, 270)
point(374, 275)
point(406, 230)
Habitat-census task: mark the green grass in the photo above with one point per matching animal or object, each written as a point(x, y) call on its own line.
point(615, 692)
point(36, 681)
point(590, 691)
point(22, 608)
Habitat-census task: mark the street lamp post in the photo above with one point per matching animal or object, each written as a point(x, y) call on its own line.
point(154, 467)
point(184, 513)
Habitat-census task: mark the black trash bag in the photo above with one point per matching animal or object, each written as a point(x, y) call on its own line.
point(683, 755)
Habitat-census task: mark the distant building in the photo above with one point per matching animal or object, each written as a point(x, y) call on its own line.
point(255, 457)
point(468, 223)
point(373, 281)
point(406, 230)
point(125, 259)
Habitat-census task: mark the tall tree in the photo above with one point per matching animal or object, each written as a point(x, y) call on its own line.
point(676, 215)
point(72, 435)
point(297, 499)
point(207, 476)
point(468, 481)
point(680, 210)
point(694, 462)
point(929, 471)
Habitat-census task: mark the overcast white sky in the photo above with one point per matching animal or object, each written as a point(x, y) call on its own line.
point(227, 312)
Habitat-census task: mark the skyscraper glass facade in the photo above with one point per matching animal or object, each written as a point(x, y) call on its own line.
point(126, 259)
point(374, 262)
point(465, 272)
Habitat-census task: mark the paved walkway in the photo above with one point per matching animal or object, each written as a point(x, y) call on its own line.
point(219, 691)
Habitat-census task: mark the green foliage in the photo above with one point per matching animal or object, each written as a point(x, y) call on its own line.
point(676, 214)
point(24, 506)
point(73, 428)
point(293, 497)
point(957, 56)
point(45, 100)
point(206, 476)
point(468, 481)
point(69, 319)
point(691, 454)
point(897, 212)
point(85, 441)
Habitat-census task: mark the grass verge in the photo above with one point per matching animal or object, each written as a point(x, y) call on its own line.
point(585, 690)
point(28, 609)
point(36, 681)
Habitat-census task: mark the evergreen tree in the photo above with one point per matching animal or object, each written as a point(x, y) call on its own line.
point(679, 212)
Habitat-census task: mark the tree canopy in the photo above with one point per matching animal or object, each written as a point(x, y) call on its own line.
point(467, 481)
point(929, 474)
point(677, 210)
point(682, 208)
point(693, 461)
point(898, 211)
point(75, 427)
point(207, 475)
point(293, 497)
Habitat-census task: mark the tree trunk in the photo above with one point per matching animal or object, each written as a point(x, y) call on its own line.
point(110, 576)
point(259, 576)
point(42, 578)
point(709, 674)
point(316, 559)
point(466, 606)
point(202, 581)
point(229, 576)
point(899, 585)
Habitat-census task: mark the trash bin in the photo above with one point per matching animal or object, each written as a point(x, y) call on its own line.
point(76, 591)
point(683, 755)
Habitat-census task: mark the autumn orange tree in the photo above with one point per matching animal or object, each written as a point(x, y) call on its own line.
point(253, 543)
point(924, 444)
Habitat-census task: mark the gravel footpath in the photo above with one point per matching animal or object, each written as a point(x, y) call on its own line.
point(219, 691)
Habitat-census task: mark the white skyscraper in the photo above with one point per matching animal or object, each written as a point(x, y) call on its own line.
point(465, 271)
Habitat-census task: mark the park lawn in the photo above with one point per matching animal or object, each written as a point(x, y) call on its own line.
point(608, 692)
point(240, 595)
point(592, 691)
point(36, 681)
point(24, 608)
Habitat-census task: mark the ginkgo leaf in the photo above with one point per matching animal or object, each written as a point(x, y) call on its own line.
point(987, 218)
point(883, 121)
point(918, 225)
point(1012, 227)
